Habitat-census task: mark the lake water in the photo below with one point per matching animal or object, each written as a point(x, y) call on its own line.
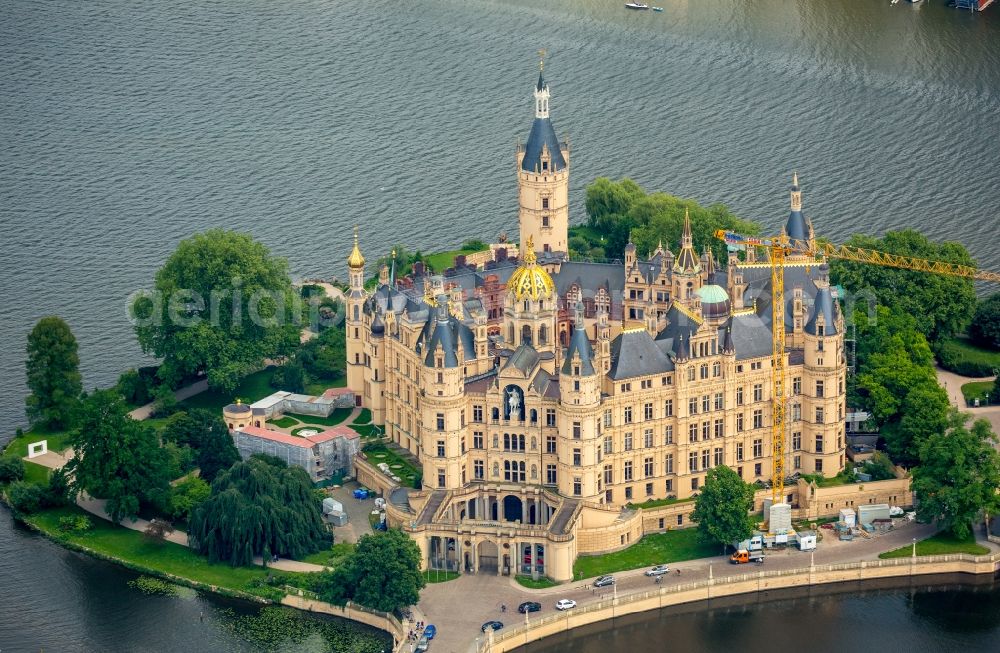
point(127, 125)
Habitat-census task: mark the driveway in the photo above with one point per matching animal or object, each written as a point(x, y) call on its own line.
point(357, 513)
point(952, 383)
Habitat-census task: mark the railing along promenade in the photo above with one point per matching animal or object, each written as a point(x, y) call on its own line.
point(669, 595)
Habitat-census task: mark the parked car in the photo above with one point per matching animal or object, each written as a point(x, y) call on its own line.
point(423, 644)
point(658, 570)
point(529, 606)
point(430, 630)
point(565, 604)
point(495, 625)
point(602, 581)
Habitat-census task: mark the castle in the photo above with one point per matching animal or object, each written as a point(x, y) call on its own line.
point(545, 398)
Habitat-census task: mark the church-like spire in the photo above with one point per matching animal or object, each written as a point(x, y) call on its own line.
point(356, 260)
point(392, 270)
point(687, 260)
point(797, 227)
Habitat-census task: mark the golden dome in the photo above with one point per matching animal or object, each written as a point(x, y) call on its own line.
point(529, 280)
point(356, 260)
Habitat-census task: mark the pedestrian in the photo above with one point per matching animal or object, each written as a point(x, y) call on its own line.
point(503, 607)
point(678, 572)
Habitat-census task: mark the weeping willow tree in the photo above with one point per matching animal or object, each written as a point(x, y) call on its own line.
point(258, 507)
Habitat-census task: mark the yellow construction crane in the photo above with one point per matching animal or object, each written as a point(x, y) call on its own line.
point(777, 249)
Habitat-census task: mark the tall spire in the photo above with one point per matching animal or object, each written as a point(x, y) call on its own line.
point(687, 260)
point(392, 270)
point(356, 260)
point(797, 227)
point(796, 193)
point(541, 90)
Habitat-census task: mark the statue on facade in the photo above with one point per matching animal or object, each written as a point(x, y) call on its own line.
point(514, 402)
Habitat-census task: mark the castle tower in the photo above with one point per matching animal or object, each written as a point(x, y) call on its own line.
point(687, 268)
point(543, 181)
point(355, 345)
point(798, 227)
point(531, 308)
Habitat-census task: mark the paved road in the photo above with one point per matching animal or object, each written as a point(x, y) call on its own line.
point(952, 383)
point(357, 513)
point(459, 607)
point(143, 412)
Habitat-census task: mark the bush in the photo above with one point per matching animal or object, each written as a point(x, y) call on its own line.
point(166, 401)
point(11, 469)
point(137, 387)
point(25, 498)
point(953, 356)
point(289, 377)
point(75, 524)
point(418, 480)
point(58, 492)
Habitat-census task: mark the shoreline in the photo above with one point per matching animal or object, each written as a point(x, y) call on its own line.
point(355, 614)
point(739, 587)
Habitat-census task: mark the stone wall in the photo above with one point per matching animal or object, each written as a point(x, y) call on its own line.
point(619, 534)
point(369, 476)
point(373, 618)
point(510, 639)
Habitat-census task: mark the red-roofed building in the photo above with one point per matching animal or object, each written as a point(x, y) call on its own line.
point(321, 454)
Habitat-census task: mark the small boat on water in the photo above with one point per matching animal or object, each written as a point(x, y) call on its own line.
point(657, 8)
point(636, 5)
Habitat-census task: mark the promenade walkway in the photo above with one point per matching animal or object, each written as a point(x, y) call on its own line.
point(952, 383)
point(459, 607)
point(143, 412)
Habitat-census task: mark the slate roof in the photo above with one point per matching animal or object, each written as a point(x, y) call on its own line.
point(751, 336)
point(542, 134)
point(797, 226)
point(579, 344)
point(633, 353)
point(823, 305)
point(591, 277)
point(524, 359)
point(450, 334)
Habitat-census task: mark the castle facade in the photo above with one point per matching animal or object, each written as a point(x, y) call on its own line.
point(546, 398)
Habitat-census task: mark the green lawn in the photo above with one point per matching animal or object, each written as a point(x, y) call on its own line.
point(438, 576)
point(962, 357)
point(283, 422)
point(336, 417)
point(252, 388)
point(18, 447)
point(379, 453)
point(165, 557)
point(367, 430)
point(330, 557)
point(316, 387)
point(35, 473)
point(979, 390)
point(364, 417)
point(655, 549)
point(530, 583)
point(656, 503)
point(942, 543)
point(823, 481)
point(443, 260)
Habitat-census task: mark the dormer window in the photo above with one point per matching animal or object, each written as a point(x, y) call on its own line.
point(545, 165)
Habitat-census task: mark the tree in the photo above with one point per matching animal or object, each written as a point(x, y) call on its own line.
point(896, 382)
point(221, 305)
point(325, 355)
point(621, 212)
point(11, 469)
point(959, 475)
point(942, 305)
point(258, 507)
point(985, 327)
point(116, 458)
point(207, 436)
point(53, 370)
point(722, 510)
point(383, 573)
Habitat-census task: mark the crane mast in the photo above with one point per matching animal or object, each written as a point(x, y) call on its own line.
point(777, 249)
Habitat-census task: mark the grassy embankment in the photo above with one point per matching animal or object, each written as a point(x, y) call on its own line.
point(940, 544)
point(164, 559)
point(18, 448)
point(655, 549)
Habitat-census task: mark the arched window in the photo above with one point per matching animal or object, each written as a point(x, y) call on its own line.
point(534, 416)
point(690, 374)
point(526, 334)
point(716, 368)
point(355, 311)
point(543, 335)
point(506, 441)
point(496, 414)
point(704, 371)
point(520, 442)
